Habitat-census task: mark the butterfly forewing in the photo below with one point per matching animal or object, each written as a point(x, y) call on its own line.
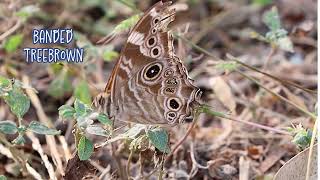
point(149, 84)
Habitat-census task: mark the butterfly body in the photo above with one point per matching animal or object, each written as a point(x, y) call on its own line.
point(149, 83)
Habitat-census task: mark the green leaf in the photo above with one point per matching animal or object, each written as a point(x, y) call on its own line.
point(104, 119)
point(19, 103)
point(227, 66)
point(39, 128)
point(19, 140)
point(134, 131)
point(262, 2)
point(81, 108)
point(97, 130)
point(110, 55)
point(82, 92)
point(13, 43)
point(66, 112)
point(4, 82)
point(85, 148)
point(60, 85)
point(159, 138)
point(272, 19)
point(302, 138)
point(2, 177)
point(27, 11)
point(126, 24)
point(285, 44)
point(8, 127)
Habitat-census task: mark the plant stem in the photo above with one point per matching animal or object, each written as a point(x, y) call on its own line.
point(206, 109)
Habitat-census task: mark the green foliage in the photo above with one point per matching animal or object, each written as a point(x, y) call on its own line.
point(97, 130)
point(126, 24)
point(82, 92)
point(110, 55)
point(13, 43)
point(2, 177)
point(66, 112)
point(27, 11)
point(159, 138)
point(102, 118)
point(227, 66)
point(19, 103)
point(81, 108)
point(301, 137)
point(19, 140)
point(60, 85)
point(276, 36)
point(262, 2)
point(85, 148)
point(39, 128)
point(85, 116)
point(8, 127)
point(272, 19)
point(13, 95)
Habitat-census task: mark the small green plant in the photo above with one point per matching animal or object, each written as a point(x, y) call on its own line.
point(276, 36)
point(85, 118)
point(301, 136)
point(11, 91)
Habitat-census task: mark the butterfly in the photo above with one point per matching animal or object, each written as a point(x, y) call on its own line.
point(149, 84)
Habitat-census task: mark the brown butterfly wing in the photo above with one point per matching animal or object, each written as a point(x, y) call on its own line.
point(149, 84)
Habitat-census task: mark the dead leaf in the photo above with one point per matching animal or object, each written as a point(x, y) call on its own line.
point(273, 156)
point(255, 151)
point(224, 94)
point(296, 167)
point(244, 166)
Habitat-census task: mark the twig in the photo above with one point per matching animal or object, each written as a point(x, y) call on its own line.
point(33, 172)
point(314, 134)
point(65, 148)
point(11, 30)
point(36, 146)
point(128, 164)
point(45, 120)
point(278, 96)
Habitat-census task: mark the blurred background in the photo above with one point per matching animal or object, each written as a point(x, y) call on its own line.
point(277, 37)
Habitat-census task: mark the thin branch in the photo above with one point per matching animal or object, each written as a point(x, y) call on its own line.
point(11, 30)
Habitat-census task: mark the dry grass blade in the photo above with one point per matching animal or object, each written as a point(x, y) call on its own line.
point(45, 120)
point(37, 146)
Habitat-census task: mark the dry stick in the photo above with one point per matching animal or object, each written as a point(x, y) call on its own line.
point(45, 120)
point(314, 134)
point(128, 164)
point(36, 146)
point(278, 96)
point(11, 30)
point(245, 65)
